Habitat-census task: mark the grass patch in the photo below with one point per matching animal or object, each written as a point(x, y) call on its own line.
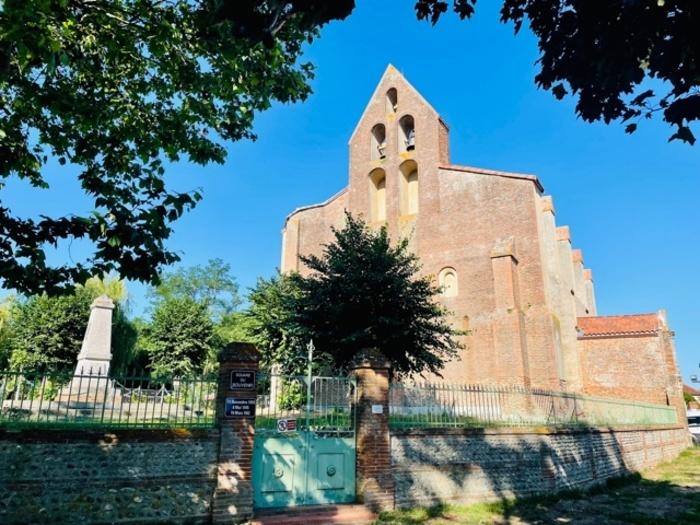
point(666, 495)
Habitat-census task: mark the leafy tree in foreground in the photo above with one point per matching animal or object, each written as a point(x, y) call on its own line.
point(180, 339)
point(365, 293)
point(212, 285)
point(115, 87)
point(118, 87)
point(361, 293)
point(606, 53)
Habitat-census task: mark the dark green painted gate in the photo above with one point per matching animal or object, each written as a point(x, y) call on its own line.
point(304, 451)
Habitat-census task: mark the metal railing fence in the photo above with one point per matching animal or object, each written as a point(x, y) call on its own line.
point(325, 404)
point(87, 399)
point(438, 405)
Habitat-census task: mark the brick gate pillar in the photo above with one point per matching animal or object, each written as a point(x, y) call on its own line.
point(235, 412)
point(375, 480)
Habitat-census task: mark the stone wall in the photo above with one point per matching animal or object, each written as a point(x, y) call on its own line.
point(135, 476)
point(469, 466)
point(51, 476)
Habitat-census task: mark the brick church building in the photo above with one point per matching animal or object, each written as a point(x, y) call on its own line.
point(510, 274)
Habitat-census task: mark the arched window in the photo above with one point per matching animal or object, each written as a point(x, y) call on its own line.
point(407, 134)
point(377, 195)
point(392, 101)
point(448, 282)
point(378, 142)
point(408, 192)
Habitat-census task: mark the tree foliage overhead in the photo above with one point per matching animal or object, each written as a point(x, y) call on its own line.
point(362, 293)
point(605, 54)
point(118, 87)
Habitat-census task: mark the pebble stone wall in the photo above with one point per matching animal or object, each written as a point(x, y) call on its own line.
point(473, 466)
point(129, 477)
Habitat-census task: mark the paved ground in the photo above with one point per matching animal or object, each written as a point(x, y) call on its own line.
point(667, 495)
point(321, 515)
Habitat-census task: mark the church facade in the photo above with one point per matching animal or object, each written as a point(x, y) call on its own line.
point(510, 275)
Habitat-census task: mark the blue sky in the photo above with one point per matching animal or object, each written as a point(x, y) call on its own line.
point(631, 201)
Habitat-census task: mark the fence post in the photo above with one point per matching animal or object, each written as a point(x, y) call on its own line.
point(235, 414)
point(375, 480)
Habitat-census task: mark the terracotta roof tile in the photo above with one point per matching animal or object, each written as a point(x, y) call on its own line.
point(618, 325)
point(690, 390)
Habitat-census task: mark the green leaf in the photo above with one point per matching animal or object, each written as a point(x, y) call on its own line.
point(110, 86)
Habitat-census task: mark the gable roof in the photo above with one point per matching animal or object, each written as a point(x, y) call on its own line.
point(612, 325)
point(317, 205)
point(389, 70)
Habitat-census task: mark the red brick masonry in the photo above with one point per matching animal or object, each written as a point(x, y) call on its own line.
point(618, 325)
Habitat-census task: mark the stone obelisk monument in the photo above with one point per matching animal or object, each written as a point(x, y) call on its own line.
point(96, 353)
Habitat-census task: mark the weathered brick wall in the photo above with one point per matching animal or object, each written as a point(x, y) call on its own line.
point(463, 213)
point(627, 367)
point(122, 477)
point(309, 228)
point(471, 466)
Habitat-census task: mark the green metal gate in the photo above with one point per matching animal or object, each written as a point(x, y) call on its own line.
point(304, 451)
